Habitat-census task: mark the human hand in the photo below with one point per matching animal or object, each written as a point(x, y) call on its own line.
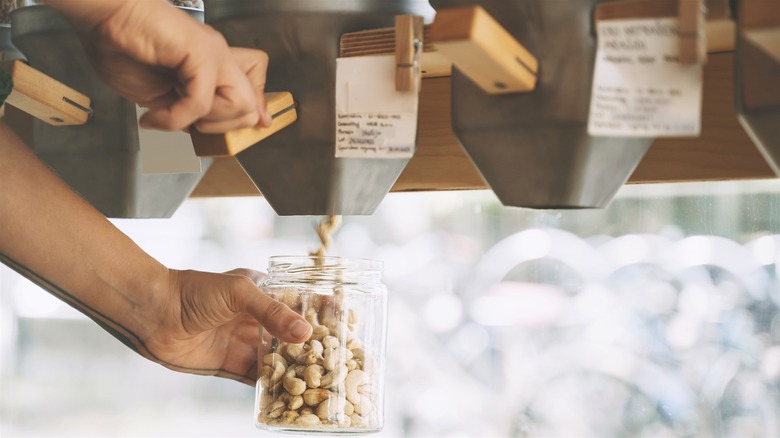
point(208, 324)
point(183, 71)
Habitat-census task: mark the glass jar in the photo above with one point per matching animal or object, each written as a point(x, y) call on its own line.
point(333, 382)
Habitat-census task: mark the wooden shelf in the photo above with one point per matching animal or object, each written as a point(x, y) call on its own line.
point(722, 152)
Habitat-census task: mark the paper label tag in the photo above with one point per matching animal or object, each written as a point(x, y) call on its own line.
point(166, 152)
point(640, 89)
point(373, 120)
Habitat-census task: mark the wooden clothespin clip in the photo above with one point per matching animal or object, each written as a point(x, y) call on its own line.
point(484, 51)
point(281, 105)
point(43, 97)
point(693, 35)
point(408, 47)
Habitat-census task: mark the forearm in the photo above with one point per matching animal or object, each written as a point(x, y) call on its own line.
point(48, 230)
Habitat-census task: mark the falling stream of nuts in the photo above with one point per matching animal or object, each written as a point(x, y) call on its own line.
point(325, 382)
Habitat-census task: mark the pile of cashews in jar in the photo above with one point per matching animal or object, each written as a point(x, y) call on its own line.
point(325, 382)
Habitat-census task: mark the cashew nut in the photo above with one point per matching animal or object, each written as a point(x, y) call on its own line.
point(294, 385)
point(290, 416)
point(313, 354)
point(312, 375)
point(307, 421)
point(276, 409)
point(355, 379)
point(334, 377)
point(295, 403)
point(320, 332)
point(291, 351)
point(277, 363)
point(349, 408)
point(315, 396)
point(311, 316)
point(307, 411)
point(351, 364)
point(358, 353)
point(330, 342)
point(331, 409)
point(364, 407)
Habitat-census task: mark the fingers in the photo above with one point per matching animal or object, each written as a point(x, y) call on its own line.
point(239, 101)
point(197, 77)
point(219, 90)
point(274, 316)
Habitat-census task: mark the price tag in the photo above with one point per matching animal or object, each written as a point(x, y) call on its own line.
point(166, 152)
point(373, 120)
point(640, 89)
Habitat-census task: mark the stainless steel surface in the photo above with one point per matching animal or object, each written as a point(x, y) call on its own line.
point(534, 149)
point(296, 169)
point(757, 74)
point(8, 52)
point(100, 160)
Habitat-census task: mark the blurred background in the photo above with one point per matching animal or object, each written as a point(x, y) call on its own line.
point(659, 316)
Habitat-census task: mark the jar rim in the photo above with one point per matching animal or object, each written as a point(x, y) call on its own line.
point(361, 264)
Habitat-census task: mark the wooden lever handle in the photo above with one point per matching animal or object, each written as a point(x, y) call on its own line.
point(484, 51)
point(282, 108)
point(46, 98)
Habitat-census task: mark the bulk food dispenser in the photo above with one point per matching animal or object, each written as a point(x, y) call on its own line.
point(101, 159)
point(533, 149)
point(758, 75)
point(296, 170)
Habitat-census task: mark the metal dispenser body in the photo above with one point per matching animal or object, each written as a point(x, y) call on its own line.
point(758, 79)
point(533, 149)
point(100, 160)
point(8, 52)
point(296, 169)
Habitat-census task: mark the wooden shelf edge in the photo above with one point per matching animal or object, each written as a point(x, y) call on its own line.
point(723, 152)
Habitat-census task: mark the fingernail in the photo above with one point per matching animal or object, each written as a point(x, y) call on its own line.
point(299, 329)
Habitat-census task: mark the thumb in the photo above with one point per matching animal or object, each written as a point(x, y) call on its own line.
point(278, 319)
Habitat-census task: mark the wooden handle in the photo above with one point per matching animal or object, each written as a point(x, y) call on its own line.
point(46, 98)
point(484, 51)
point(282, 108)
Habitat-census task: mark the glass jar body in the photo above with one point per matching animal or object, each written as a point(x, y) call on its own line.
point(333, 382)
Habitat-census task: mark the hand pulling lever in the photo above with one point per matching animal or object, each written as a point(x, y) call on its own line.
point(42, 96)
point(282, 108)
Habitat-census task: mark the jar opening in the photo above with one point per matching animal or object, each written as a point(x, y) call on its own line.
point(325, 270)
